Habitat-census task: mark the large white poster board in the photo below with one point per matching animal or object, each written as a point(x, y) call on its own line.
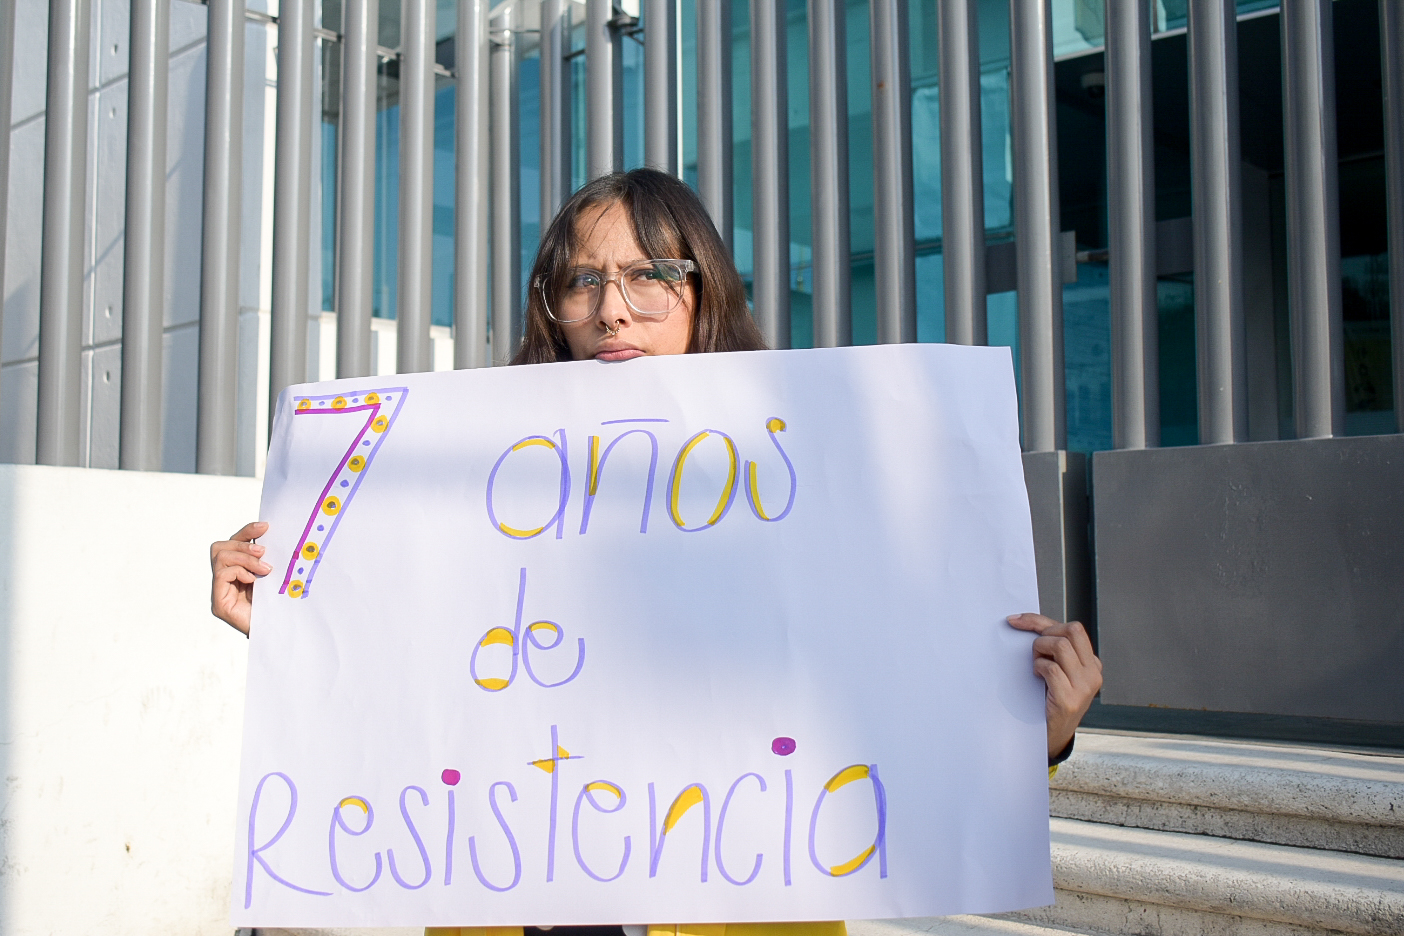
point(708, 638)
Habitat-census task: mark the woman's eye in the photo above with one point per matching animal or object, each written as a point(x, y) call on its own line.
point(584, 281)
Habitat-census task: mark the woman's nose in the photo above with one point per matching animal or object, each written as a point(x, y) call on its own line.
point(613, 308)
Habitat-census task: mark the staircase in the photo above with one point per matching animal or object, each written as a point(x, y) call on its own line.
point(1157, 836)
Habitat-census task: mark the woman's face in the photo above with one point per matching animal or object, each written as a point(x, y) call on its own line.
point(614, 333)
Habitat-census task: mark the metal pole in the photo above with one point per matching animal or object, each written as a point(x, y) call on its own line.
point(1392, 62)
point(604, 88)
point(216, 431)
point(1313, 218)
point(555, 110)
point(355, 266)
point(471, 186)
point(828, 173)
point(144, 261)
point(7, 77)
point(770, 172)
point(506, 191)
point(1036, 225)
point(292, 208)
point(61, 265)
point(1131, 226)
point(714, 113)
point(962, 173)
point(414, 302)
point(661, 85)
point(1217, 208)
point(894, 239)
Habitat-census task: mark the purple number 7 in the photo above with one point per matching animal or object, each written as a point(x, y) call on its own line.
point(380, 407)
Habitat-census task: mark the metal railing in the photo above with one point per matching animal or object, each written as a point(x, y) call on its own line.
point(487, 58)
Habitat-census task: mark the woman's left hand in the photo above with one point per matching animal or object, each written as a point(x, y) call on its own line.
point(1063, 657)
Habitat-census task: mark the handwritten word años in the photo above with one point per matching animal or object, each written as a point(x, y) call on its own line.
point(544, 488)
point(574, 796)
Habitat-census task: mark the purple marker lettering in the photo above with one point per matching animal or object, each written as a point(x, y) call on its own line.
point(338, 822)
point(530, 640)
point(563, 494)
point(418, 842)
point(511, 841)
point(691, 795)
point(256, 853)
point(789, 820)
point(448, 842)
point(496, 635)
point(773, 425)
point(721, 822)
point(595, 468)
point(728, 494)
point(587, 795)
point(879, 846)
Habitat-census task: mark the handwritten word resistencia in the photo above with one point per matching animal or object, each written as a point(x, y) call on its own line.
point(602, 796)
point(741, 476)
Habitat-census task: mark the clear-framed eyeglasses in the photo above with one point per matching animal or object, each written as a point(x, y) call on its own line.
point(651, 288)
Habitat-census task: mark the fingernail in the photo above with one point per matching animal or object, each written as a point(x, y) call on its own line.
point(1013, 617)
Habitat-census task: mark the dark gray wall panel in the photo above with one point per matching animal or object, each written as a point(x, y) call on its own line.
point(1057, 483)
point(1262, 577)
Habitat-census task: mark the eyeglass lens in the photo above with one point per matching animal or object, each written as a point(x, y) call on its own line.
point(652, 288)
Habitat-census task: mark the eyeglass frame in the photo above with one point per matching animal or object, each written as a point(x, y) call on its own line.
point(688, 267)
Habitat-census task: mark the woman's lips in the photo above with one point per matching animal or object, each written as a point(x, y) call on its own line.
point(618, 354)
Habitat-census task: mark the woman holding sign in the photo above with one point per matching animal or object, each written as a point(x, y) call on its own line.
point(632, 266)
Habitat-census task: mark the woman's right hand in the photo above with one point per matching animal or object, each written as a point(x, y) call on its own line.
point(237, 563)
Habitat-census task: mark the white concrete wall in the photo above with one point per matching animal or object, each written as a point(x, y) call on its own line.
point(121, 702)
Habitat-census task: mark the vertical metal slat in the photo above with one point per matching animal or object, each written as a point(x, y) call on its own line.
point(144, 260)
point(604, 88)
point(1217, 208)
point(61, 263)
point(962, 174)
point(555, 110)
point(770, 168)
point(413, 303)
point(7, 77)
point(1313, 218)
point(1036, 225)
point(828, 174)
point(1131, 227)
point(355, 191)
point(661, 85)
point(894, 247)
point(1392, 67)
point(470, 205)
point(714, 183)
point(216, 431)
point(506, 192)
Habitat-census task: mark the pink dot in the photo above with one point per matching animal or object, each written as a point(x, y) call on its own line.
point(451, 776)
point(783, 746)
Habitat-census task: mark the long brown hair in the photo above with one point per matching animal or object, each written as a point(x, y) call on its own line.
point(668, 222)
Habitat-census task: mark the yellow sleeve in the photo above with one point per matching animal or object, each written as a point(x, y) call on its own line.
point(836, 928)
point(472, 931)
point(1052, 771)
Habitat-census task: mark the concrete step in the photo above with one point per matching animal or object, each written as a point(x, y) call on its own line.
point(1279, 794)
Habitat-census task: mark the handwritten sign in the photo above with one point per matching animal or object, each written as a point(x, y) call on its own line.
point(702, 638)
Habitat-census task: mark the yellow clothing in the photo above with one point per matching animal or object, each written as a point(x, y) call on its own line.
point(692, 929)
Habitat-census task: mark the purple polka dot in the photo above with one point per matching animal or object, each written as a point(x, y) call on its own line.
point(300, 571)
point(367, 442)
point(346, 484)
point(320, 528)
point(451, 777)
point(783, 746)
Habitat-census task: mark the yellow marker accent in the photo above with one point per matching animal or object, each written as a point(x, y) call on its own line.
point(356, 463)
point(355, 801)
point(775, 424)
point(525, 442)
point(331, 505)
point(547, 765)
point(606, 786)
point(848, 867)
point(380, 423)
point(309, 551)
point(492, 684)
point(846, 776)
point(519, 534)
point(294, 589)
point(686, 800)
point(339, 403)
point(561, 752)
point(593, 474)
point(498, 635)
point(304, 404)
point(372, 398)
point(533, 627)
point(677, 480)
point(755, 492)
